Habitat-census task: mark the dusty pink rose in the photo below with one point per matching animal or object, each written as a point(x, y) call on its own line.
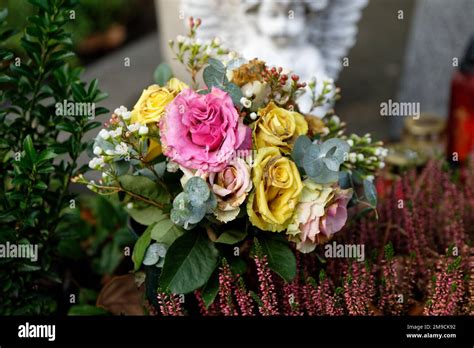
point(231, 187)
point(320, 213)
point(202, 131)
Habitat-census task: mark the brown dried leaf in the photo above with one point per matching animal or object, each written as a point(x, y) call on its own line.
point(120, 296)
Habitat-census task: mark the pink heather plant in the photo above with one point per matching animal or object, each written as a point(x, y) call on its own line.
point(202, 131)
point(410, 268)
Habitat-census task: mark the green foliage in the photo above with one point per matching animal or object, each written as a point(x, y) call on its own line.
point(214, 75)
point(191, 205)
point(281, 259)
point(370, 193)
point(189, 263)
point(144, 187)
point(163, 74)
point(321, 162)
point(231, 237)
point(34, 189)
point(140, 248)
point(211, 289)
point(165, 231)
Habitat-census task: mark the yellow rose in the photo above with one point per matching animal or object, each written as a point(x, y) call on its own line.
point(154, 150)
point(278, 127)
point(277, 185)
point(153, 101)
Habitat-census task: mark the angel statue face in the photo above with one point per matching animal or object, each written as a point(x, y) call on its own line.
point(282, 22)
point(285, 21)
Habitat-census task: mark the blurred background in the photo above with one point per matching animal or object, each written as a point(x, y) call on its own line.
point(403, 49)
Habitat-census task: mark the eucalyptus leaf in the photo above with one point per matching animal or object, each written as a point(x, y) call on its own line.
point(341, 149)
point(300, 147)
point(197, 190)
point(163, 74)
point(154, 253)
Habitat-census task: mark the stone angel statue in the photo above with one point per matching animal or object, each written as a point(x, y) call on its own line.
point(309, 36)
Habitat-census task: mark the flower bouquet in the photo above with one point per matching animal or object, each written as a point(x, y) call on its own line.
point(252, 164)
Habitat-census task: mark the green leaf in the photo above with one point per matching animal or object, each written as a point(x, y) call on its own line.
point(3, 14)
point(370, 193)
point(146, 216)
point(144, 187)
point(197, 190)
point(231, 237)
point(29, 149)
point(43, 4)
point(281, 259)
point(211, 289)
point(189, 263)
point(302, 144)
point(166, 232)
point(335, 148)
point(86, 309)
point(40, 185)
point(140, 248)
point(163, 74)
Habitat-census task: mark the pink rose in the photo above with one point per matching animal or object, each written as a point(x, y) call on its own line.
point(202, 131)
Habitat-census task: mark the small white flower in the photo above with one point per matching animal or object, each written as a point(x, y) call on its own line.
point(247, 103)
point(382, 165)
point(110, 152)
point(350, 142)
point(97, 151)
point(120, 110)
point(134, 127)
point(384, 152)
point(336, 120)
point(216, 41)
point(129, 205)
point(143, 130)
point(96, 162)
point(253, 116)
point(352, 157)
point(105, 175)
point(126, 115)
point(116, 133)
point(172, 167)
point(360, 157)
point(180, 38)
point(121, 149)
point(104, 134)
point(198, 42)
